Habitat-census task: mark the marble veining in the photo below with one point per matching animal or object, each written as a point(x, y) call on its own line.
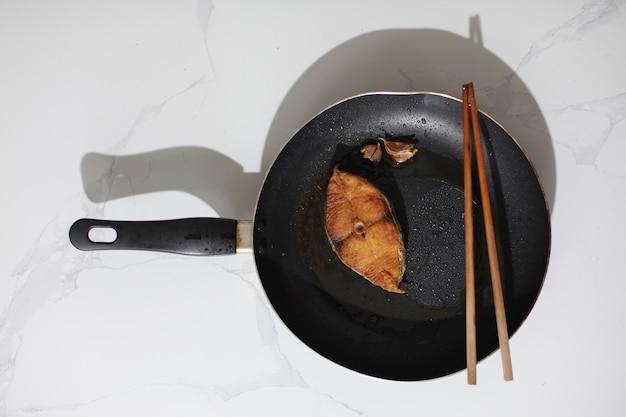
point(150, 111)
point(592, 16)
point(599, 117)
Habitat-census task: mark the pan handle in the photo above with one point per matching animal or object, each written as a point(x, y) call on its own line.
point(191, 236)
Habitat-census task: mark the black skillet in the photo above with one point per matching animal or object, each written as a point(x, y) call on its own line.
point(414, 336)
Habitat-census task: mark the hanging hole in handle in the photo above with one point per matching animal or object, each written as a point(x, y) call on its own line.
point(102, 234)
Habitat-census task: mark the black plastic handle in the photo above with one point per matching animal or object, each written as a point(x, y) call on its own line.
point(192, 236)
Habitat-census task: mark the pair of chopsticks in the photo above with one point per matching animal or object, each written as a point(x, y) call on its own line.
point(470, 109)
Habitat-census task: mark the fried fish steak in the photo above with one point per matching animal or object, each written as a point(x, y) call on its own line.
point(363, 231)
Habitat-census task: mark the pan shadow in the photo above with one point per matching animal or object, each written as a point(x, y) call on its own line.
point(425, 60)
point(420, 60)
point(195, 170)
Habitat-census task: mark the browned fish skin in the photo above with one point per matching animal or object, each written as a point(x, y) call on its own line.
point(363, 231)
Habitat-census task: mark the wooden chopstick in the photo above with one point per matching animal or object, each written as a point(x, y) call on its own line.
point(494, 267)
point(470, 291)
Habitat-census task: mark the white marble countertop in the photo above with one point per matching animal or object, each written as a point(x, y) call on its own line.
point(184, 83)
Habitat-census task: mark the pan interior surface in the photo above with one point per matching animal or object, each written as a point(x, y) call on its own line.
point(421, 334)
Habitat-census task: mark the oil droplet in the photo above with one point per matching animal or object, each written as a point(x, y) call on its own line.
point(262, 248)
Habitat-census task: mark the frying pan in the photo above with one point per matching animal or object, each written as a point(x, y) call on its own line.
point(414, 336)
